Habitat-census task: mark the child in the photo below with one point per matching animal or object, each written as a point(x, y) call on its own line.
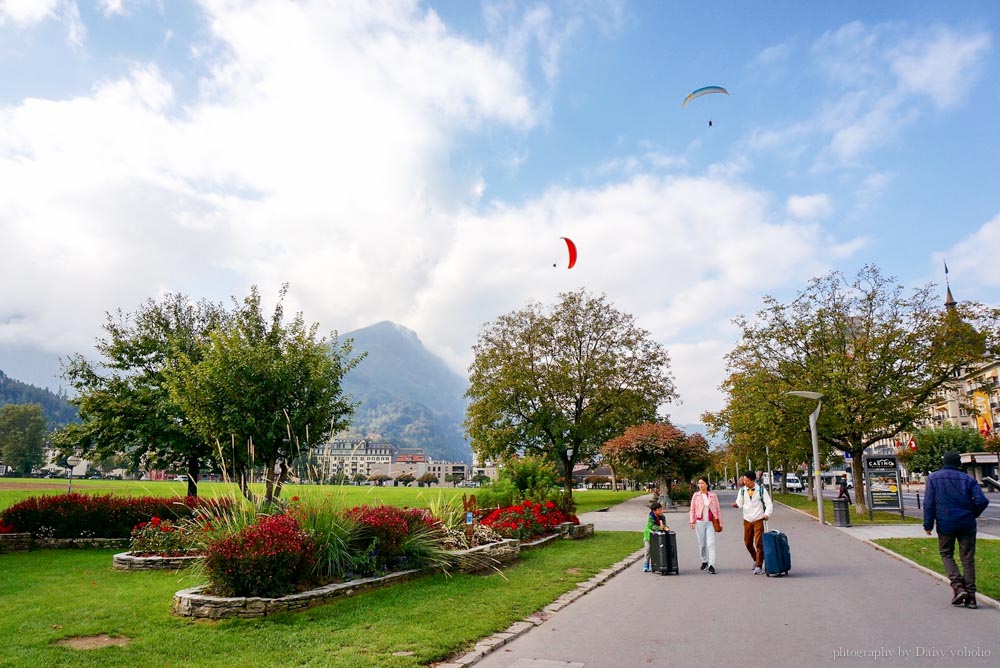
point(653, 522)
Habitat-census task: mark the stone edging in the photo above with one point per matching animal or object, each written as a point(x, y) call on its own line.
point(21, 542)
point(126, 561)
point(497, 640)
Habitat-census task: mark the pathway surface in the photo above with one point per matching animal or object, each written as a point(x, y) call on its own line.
point(845, 603)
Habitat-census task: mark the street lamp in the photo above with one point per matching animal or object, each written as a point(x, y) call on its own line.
point(73, 461)
point(817, 480)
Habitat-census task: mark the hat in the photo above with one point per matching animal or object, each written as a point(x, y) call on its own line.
point(952, 458)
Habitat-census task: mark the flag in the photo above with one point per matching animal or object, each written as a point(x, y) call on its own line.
point(912, 444)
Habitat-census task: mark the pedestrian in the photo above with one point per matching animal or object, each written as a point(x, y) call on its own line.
point(954, 500)
point(843, 489)
point(654, 522)
point(703, 517)
point(757, 506)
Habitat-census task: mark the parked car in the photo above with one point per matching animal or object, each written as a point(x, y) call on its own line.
point(181, 478)
point(793, 484)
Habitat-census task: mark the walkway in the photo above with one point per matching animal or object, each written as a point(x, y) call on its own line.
point(844, 603)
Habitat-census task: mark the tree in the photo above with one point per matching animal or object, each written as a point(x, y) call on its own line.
point(124, 403)
point(264, 391)
point(22, 433)
point(481, 479)
point(934, 442)
point(560, 383)
point(405, 479)
point(662, 451)
point(428, 479)
point(454, 478)
point(876, 355)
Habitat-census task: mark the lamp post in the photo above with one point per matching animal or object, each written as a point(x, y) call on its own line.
point(73, 461)
point(817, 479)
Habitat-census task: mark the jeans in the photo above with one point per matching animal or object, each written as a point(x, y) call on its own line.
point(966, 553)
point(753, 538)
point(706, 541)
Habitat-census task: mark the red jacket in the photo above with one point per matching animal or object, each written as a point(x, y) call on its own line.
point(698, 503)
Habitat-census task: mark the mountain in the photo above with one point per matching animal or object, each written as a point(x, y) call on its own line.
point(407, 394)
point(56, 409)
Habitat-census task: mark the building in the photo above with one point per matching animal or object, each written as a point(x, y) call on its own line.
point(348, 456)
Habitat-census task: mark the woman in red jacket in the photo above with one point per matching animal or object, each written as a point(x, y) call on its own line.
point(705, 509)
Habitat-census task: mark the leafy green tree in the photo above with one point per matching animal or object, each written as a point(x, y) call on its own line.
point(124, 403)
point(875, 353)
point(454, 478)
point(481, 479)
point(428, 479)
point(22, 434)
point(558, 383)
point(662, 451)
point(264, 391)
point(405, 479)
point(934, 442)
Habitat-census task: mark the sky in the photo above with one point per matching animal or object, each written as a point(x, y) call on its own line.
point(419, 161)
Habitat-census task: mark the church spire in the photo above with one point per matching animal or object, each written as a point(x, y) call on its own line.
point(949, 301)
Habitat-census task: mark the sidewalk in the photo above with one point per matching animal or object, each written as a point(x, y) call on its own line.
point(842, 600)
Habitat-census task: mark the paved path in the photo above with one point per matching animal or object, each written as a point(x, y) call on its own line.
point(845, 603)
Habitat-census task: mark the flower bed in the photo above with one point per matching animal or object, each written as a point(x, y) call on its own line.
point(527, 520)
point(96, 516)
point(196, 603)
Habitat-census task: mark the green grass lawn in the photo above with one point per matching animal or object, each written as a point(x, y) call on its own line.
point(50, 595)
point(924, 551)
point(13, 490)
point(802, 502)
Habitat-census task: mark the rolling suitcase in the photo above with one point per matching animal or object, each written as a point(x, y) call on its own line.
point(663, 552)
point(777, 556)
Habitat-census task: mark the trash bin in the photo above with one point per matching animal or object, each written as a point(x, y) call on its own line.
point(841, 513)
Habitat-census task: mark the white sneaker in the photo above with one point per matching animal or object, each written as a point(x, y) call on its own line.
point(757, 570)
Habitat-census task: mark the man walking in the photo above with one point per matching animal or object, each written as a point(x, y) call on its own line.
point(954, 500)
point(757, 506)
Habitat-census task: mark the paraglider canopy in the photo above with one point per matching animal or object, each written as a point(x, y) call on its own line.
point(571, 247)
point(703, 91)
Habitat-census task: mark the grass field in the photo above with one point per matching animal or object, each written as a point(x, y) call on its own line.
point(13, 490)
point(802, 502)
point(49, 596)
point(924, 551)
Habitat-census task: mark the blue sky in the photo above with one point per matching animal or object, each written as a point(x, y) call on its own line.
point(418, 161)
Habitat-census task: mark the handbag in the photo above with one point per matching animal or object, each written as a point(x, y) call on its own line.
point(716, 522)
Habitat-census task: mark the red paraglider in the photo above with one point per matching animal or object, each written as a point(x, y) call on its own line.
point(571, 247)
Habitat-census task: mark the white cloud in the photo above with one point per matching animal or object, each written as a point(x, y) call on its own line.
point(809, 207)
point(112, 7)
point(24, 13)
point(973, 261)
point(943, 66)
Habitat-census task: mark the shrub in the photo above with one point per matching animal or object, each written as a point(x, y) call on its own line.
point(162, 538)
point(333, 533)
point(383, 540)
point(6, 528)
point(107, 516)
point(270, 558)
point(527, 520)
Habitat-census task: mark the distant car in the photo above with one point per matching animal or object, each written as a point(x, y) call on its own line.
point(181, 478)
point(145, 477)
point(793, 484)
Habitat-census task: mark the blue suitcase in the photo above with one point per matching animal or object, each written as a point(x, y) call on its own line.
point(663, 552)
point(777, 556)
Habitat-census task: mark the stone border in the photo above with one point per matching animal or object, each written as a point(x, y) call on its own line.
point(15, 542)
point(22, 542)
point(193, 603)
point(497, 640)
point(126, 561)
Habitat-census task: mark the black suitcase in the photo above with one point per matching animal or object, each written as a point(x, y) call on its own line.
point(663, 552)
point(777, 556)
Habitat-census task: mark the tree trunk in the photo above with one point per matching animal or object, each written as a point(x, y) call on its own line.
point(193, 471)
point(860, 502)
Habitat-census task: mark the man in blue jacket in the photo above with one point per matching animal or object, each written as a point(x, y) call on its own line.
point(954, 500)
